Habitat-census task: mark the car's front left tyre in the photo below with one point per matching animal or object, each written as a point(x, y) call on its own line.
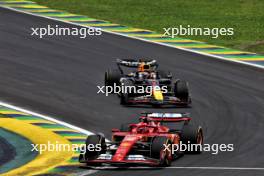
point(95, 141)
point(159, 151)
point(112, 76)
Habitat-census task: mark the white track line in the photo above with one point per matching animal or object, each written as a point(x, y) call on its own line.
point(195, 167)
point(84, 173)
point(89, 133)
point(45, 117)
point(137, 38)
point(221, 168)
point(53, 120)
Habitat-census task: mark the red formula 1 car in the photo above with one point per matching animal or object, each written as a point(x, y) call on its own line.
point(145, 143)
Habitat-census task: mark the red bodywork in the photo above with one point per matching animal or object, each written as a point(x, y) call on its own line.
point(140, 133)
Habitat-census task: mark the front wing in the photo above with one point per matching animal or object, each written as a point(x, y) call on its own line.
point(129, 160)
point(167, 100)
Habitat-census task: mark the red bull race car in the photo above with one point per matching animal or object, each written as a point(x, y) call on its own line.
point(145, 84)
point(149, 142)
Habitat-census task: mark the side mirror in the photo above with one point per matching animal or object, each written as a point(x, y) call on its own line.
point(115, 130)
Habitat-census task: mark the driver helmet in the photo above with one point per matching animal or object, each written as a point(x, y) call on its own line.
point(143, 67)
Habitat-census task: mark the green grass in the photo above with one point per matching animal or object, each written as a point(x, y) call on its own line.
point(246, 17)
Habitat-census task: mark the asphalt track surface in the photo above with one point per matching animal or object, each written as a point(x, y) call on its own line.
point(58, 76)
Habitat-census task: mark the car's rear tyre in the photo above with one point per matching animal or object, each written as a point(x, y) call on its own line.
point(93, 140)
point(181, 90)
point(158, 151)
point(192, 134)
point(124, 96)
point(112, 76)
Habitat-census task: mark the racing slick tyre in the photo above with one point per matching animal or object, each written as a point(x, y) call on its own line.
point(181, 90)
point(124, 96)
point(158, 151)
point(112, 76)
point(192, 134)
point(93, 140)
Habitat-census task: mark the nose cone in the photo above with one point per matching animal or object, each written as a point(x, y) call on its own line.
point(158, 95)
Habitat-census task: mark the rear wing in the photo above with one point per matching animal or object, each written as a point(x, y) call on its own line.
point(168, 117)
point(135, 63)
